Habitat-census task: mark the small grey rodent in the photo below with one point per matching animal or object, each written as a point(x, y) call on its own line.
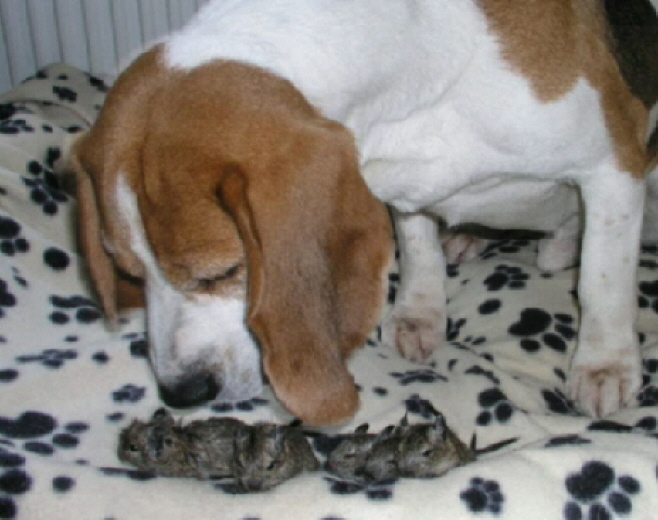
point(348, 459)
point(422, 450)
point(202, 449)
point(253, 458)
point(268, 454)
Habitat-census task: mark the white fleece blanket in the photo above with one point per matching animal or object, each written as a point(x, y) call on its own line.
point(68, 385)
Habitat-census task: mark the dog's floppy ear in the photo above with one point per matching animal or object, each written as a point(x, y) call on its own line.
point(97, 157)
point(101, 268)
point(317, 245)
point(116, 290)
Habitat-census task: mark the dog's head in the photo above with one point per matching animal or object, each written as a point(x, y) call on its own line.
point(243, 211)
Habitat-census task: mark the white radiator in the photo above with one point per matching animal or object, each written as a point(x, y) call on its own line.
point(93, 35)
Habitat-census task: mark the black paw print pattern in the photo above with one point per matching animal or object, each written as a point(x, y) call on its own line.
point(649, 370)
point(52, 155)
point(495, 407)
point(534, 327)
point(65, 93)
point(648, 424)
point(129, 393)
point(648, 396)
point(11, 241)
point(11, 125)
point(483, 496)
point(454, 327)
point(97, 83)
point(557, 402)
point(248, 405)
point(44, 188)
point(416, 405)
point(80, 308)
point(477, 370)
point(649, 263)
point(376, 491)
point(504, 246)
point(14, 480)
point(452, 270)
point(425, 375)
point(7, 299)
point(393, 283)
point(50, 358)
point(597, 493)
point(41, 433)
point(567, 440)
point(506, 277)
point(139, 347)
point(648, 297)
point(15, 126)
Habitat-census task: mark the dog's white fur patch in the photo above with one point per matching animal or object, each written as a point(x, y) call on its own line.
point(187, 330)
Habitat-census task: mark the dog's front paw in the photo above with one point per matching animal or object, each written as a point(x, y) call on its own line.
point(415, 331)
point(600, 385)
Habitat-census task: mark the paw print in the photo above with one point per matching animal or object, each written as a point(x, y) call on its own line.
point(649, 263)
point(15, 479)
point(648, 396)
point(648, 424)
point(418, 376)
point(557, 402)
point(477, 370)
point(483, 496)
point(598, 493)
point(650, 369)
point(452, 270)
point(504, 246)
point(375, 491)
point(505, 276)
point(139, 347)
point(241, 406)
point(393, 283)
point(128, 394)
point(11, 241)
point(7, 299)
point(567, 440)
point(83, 309)
point(7, 110)
point(416, 405)
point(454, 327)
point(535, 324)
point(495, 407)
point(44, 188)
point(97, 83)
point(50, 358)
point(36, 427)
point(648, 297)
point(474, 341)
point(52, 155)
point(15, 126)
point(65, 93)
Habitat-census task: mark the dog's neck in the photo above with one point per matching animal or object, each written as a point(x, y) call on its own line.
point(320, 47)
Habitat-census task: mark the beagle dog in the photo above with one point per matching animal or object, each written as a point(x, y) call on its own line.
point(233, 166)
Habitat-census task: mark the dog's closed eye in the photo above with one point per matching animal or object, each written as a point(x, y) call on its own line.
point(208, 283)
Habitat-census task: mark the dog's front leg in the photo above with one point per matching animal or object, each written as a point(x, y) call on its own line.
point(606, 369)
point(417, 322)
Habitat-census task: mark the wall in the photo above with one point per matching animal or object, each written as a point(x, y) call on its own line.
point(94, 35)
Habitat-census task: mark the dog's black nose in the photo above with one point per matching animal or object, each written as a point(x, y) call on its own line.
point(191, 391)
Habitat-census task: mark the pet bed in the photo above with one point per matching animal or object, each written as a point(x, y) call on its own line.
point(68, 385)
